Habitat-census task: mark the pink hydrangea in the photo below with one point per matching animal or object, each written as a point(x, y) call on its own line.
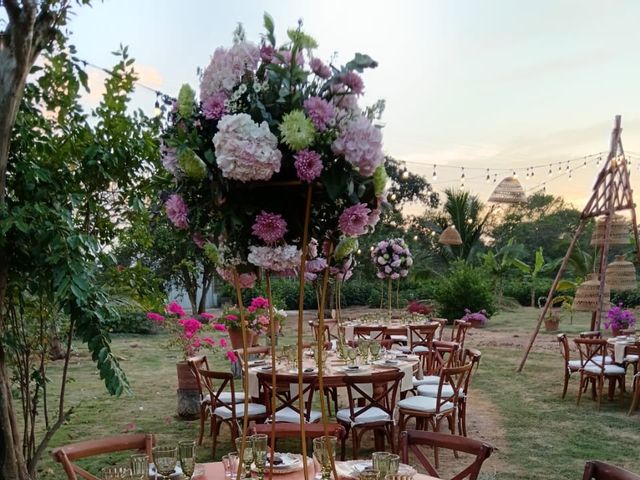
point(156, 317)
point(227, 68)
point(233, 358)
point(374, 217)
point(320, 112)
point(308, 165)
point(246, 150)
point(354, 220)
point(175, 308)
point(246, 280)
point(214, 107)
point(319, 68)
point(276, 259)
point(354, 82)
point(269, 227)
point(170, 160)
point(177, 211)
point(361, 144)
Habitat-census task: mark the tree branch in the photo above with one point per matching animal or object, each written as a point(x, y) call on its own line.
point(13, 10)
point(45, 441)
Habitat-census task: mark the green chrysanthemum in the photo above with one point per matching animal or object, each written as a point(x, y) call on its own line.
point(297, 130)
point(191, 164)
point(186, 101)
point(211, 251)
point(379, 180)
point(346, 246)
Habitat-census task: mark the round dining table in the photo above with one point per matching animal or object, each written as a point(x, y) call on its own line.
point(215, 471)
point(620, 345)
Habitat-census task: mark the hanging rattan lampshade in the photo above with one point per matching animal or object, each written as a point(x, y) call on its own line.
point(621, 275)
point(508, 190)
point(619, 231)
point(450, 236)
point(586, 299)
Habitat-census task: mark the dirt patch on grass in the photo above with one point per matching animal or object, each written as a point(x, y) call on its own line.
point(479, 338)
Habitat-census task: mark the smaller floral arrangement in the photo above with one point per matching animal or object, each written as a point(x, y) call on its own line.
point(619, 318)
point(416, 306)
point(191, 333)
point(256, 315)
point(392, 259)
point(477, 319)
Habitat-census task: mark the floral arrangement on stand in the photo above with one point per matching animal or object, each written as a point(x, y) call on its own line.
point(619, 318)
point(190, 334)
point(477, 319)
point(392, 259)
point(256, 316)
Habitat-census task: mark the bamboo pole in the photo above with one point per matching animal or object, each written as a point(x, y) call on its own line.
point(272, 329)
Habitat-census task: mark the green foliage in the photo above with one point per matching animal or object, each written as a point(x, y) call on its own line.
point(628, 298)
point(463, 287)
point(520, 289)
point(131, 322)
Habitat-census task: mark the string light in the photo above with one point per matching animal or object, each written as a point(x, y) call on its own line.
point(527, 175)
point(514, 175)
point(495, 177)
point(434, 177)
point(415, 238)
point(570, 172)
point(550, 171)
point(488, 176)
point(567, 169)
point(405, 173)
point(598, 161)
point(532, 172)
point(585, 161)
point(462, 178)
point(156, 108)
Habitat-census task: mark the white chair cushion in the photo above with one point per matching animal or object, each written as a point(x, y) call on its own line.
point(289, 415)
point(432, 391)
point(426, 380)
point(372, 415)
point(607, 359)
point(226, 397)
point(608, 369)
point(402, 348)
point(423, 404)
point(420, 348)
point(631, 358)
point(398, 338)
point(254, 409)
point(575, 364)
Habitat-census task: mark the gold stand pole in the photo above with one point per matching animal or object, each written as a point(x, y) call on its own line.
point(272, 329)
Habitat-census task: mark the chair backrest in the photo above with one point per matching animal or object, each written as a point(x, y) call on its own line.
point(563, 341)
point(292, 430)
point(472, 356)
point(67, 454)
point(422, 335)
point(286, 397)
point(443, 323)
point(595, 470)
point(326, 335)
point(370, 332)
point(445, 354)
point(592, 352)
point(456, 378)
point(412, 440)
point(215, 383)
point(383, 396)
point(197, 363)
point(591, 334)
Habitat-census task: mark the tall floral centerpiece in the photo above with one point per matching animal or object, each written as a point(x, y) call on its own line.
point(392, 259)
point(273, 158)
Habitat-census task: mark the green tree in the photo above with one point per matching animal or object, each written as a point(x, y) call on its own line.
point(531, 272)
point(500, 263)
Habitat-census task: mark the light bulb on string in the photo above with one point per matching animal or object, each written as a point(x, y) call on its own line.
point(532, 172)
point(488, 176)
point(156, 108)
point(415, 238)
point(434, 177)
point(550, 172)
point(559, 167)
point(570, 172)
point(567, 169)
point(405, 174)
point(585, 161)
point(371, 248)
point(544, 188)
point(598, 161)
point(495, 177)
point(515, 175)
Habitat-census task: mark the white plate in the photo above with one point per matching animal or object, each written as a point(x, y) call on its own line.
point(359, 369)
point(289, 460)
point(360, 465)
point(309, 371)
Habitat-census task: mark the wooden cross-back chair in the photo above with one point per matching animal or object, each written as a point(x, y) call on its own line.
point(459, 333)
point(226, 409)
point(67, 454)
point(288, 398)
point(442, 355)
point(412, 440)
point(595, 470)
point(292, 430)
point(377, 404)
point(442, 322)
point(570, 366)
point(369, 332)
point(421, 336)
point(595, 370)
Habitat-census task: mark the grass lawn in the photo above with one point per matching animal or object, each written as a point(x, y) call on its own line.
point(536, 434)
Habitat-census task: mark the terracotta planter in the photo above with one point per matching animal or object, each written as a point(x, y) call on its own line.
point(551, 324)
point(616, 332)
point(236, 338)
point(188, 393)
point(476, 323)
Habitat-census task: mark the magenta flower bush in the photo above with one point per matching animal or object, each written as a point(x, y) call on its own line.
point(480, 317)
point(256, 316)
point(619, 318)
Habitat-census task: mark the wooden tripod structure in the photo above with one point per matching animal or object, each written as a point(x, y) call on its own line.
point(611, 193)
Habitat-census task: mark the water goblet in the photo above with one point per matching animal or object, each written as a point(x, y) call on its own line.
point(363, 350)
point(234, 463)
point(260, 442)
point(380, 461)
point(324, 449)
point(187, 455)
point(226, 464)
point(139, 466)
point(352, 353)
point(247, 455)
point(165, 460)
point(116, 472)
point(374, 348)
point(393, 463)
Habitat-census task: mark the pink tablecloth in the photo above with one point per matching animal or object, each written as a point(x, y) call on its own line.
point(215, 471)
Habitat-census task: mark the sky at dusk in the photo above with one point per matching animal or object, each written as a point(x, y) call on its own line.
point(496, 84)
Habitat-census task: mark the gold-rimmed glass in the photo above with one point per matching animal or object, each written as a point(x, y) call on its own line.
point(247, 455)
point(116, 472)
point(380, 461)
point(324, 450)
point(374, 348)
point(260, 442)
point(165, 460)
point(363, 350)
point(393, 463)
point(139, 466)
point(187, 455)
point(352, 354)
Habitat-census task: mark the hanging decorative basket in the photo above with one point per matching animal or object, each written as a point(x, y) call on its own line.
point(450, 236)
point(508, 190)
point(586, 299)
point(621, 274)
point(619, 231)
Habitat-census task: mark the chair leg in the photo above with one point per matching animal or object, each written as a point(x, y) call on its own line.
point(436, 460)
point(600, 389)
point(214, 433)
point(581, 389)
point(636, 396)
point(203, 414)
point(566, 384)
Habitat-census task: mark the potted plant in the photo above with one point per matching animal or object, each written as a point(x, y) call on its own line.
point(257, 317)
point(619, 319)
point(476, 319)
point(552, 320)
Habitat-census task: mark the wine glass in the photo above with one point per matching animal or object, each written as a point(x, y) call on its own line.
point(352, 353)
point(393, 463)
point(139, 466)
point(324, 449)
point(363, 350)
point(380, 461)
point(374, 348)
point(187, 454)
point(259, 441)
point(165, 459)
point(247, 456)
point(116, 472)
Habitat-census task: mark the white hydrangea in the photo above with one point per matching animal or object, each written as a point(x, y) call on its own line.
point(276, 259)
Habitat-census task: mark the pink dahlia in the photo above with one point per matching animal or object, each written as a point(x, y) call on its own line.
point(207, 315)
point(269, 227)
point(177, 211)
point(354, 82)
point(175, 308)
point(308, 165)
point(221, 327)
point(156, 317)
point(354, 220)
point(266, 53)
point(260, 302)
point(320, 112)
point(361, 144)
point(190, 326)
point(319, 68)
point(210, 341)
point(213, 107)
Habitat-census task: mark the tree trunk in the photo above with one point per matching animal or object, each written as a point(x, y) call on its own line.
point(533, 296)
point(56, 349)
point(207, 278)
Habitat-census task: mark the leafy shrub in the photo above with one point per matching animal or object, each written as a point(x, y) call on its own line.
point(520, 289)
point(131, 322)
point(629, 298)
point(464, 286)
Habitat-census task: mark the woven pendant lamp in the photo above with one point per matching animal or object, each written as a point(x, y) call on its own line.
point(450, 236)
point(508, 190)
point(586, 299)
point(619, 231)
point(621, 274)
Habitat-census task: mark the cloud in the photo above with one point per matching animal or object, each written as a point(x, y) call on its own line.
point(149, 75)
